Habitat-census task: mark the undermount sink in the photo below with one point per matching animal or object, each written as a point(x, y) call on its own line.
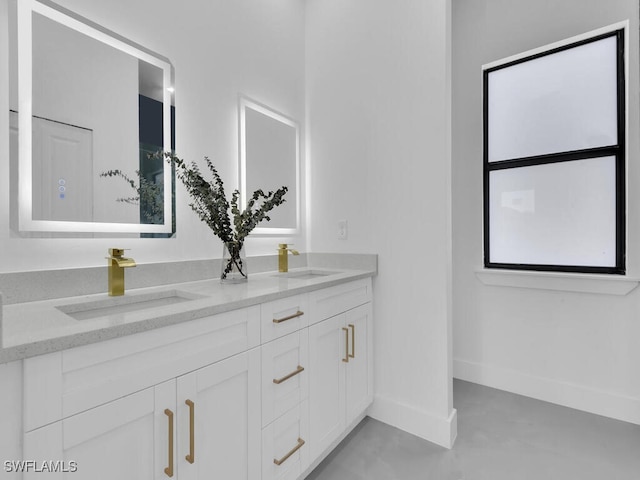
point(306, 274)
point(124, 304)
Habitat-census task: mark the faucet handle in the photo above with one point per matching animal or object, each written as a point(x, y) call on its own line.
point(285, 248)
point(117, 252)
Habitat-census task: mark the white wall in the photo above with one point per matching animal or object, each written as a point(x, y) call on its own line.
point(219, 49)
point(575, 349)
point(378, 116)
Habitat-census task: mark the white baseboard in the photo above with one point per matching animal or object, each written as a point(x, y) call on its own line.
point(423, 424)
point(587, 399)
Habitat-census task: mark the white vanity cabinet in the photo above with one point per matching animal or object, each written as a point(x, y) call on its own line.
point(119, 408)
point(285, 388)
point(257, 393)
point(219, 420)
point(285, 374)
point(204, 424)
point(309, 396)
point(285, 452)
point(340, 385)
point(359, 369)
point(125, 438)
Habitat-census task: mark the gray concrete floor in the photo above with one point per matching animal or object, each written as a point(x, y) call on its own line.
point(501, 436)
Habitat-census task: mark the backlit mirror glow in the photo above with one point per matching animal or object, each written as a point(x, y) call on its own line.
point(90, 106)
point(270, 159)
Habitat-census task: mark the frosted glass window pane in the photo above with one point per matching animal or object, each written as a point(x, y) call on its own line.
point(554, 214)
point(560, 102)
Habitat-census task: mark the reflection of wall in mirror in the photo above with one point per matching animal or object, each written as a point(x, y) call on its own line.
point(271, 163)
point(83, 82)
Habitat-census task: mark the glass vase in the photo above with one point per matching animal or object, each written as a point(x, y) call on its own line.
point(234, 264)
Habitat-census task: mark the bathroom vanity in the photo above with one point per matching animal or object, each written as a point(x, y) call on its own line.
point(196, 380)
point(191, 379)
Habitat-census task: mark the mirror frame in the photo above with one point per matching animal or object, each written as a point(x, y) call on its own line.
point(25, 10)
point(244, 103)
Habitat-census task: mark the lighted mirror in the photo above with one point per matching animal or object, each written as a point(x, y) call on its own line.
point(269, 159)
point(87, 108)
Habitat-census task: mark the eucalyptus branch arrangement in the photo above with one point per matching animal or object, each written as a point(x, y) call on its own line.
point(210, 203)
point(147, 193)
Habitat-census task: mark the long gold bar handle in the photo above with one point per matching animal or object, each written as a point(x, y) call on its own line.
point(298, 370)
point(353, 340)
point(294, 450)
point(346, 345)
point(192, 440)
point(169, 470)
point(299, 313)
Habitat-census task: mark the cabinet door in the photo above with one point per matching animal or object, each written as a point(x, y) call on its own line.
point(327, 355)
point(359, 381)
point(127, 438)
point(219, 430)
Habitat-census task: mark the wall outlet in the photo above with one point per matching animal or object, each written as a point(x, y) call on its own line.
point(342, 230)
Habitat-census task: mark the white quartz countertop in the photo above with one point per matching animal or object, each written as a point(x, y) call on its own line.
point(35, 328)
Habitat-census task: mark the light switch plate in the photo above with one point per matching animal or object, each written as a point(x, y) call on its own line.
point(342, 229)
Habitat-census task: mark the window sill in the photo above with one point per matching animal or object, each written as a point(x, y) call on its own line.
point(565, 282)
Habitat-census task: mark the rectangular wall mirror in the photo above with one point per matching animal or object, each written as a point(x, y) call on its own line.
point(87, 106)
point(269, 159)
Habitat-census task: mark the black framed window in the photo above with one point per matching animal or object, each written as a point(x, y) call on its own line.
point(554, 158)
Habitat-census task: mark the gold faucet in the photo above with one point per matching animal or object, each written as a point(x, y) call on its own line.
point(117, 263)
point(283, 256)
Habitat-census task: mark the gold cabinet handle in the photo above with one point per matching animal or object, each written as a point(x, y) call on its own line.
point(293, 450)
point(299, 313)
point(169, 470)
point(298, 370)
point(353, 340)
point(346, 345)
point(192, 440)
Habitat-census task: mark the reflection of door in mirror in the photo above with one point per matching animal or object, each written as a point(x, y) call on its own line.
point(60, 190)
point(62, 172)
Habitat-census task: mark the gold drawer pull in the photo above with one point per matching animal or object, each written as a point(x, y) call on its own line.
point(192, 441)
point(298, 370)
point(294, 450)
point(353, 340)
point(169, 470)
point(346, 345)
point(295, 315)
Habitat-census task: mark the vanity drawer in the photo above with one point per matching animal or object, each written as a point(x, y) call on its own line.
point(285, 453)
point(284, 374)
point(61, 384)
point(332, 301)
point(284, 316)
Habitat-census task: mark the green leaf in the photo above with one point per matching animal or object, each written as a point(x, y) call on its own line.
point(212, 207)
